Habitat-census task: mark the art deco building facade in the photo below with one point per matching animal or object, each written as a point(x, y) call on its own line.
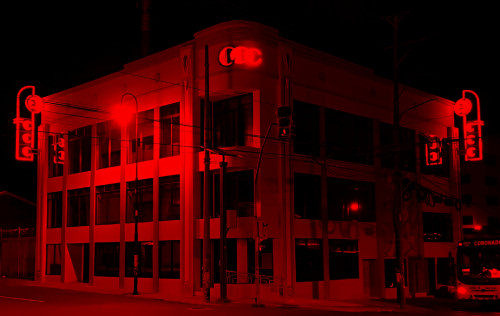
point(324, 197)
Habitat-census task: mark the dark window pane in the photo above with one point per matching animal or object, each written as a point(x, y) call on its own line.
point(468, 220)
point(306, 120)
point(170, 262)
point(145, 253)
point(107, 259)
point(169, 130)
point(307, 196)
point(109, 140)
point(108, 204)
point(491, 200)
point(54, 210)
point(349, 137)
point(170, 193)
point(437, 227)
point(141, 149)
point(308, 260)
point(144, 201)
point(79, 145)
point(233, 121)
point(344, 259)
point(467, 199)
point(78, 207)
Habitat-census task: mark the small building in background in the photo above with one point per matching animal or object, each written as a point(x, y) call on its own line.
point(17, 236)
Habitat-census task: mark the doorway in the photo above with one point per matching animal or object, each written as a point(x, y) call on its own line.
point(79, 255)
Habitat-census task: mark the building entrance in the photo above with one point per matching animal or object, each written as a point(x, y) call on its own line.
point(79, 255)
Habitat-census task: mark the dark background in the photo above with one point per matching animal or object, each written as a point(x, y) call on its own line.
point(55, 45)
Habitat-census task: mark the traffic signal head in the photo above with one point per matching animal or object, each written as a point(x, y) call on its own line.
point(284, 114)
point(58, 146)
point(433, 151)
point(473, 142)
point(24, 139)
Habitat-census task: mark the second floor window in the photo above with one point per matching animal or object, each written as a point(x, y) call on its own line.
point(79, 149)
point(437, 227)
point(169, 130)
point(79, 207)
point(54, 210)
point(141, 149)
point(109, 139)
point(170, 195)
point(233, 121)
point(349, 137)
point(307, 196)
point(107, 204)
point(144, 201)
point(306, 119)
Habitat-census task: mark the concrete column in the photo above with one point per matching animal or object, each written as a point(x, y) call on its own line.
point(93, 166)
point(156, 199)
point(123, 203)
point(64, 250)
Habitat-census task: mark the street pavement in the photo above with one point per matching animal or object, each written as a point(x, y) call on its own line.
point(23, 297)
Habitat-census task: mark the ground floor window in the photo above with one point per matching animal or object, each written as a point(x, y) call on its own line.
point(145, 253)
point(170, 259)
point(344, 259)
point(308, 260)
point(107, 259)
point(53, 259)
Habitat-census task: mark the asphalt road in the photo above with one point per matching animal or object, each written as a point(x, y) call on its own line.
point(17, 298)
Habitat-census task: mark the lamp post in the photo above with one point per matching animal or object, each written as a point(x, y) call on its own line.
point(136, 211)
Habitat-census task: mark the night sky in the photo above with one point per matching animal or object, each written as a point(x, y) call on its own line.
point(55, 45)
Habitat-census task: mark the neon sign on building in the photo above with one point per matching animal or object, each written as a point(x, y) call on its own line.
point(240, 55)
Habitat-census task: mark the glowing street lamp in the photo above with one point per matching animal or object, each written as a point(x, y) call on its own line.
point(123, 116)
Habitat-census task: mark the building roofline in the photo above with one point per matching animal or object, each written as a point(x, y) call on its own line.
point(6, 193)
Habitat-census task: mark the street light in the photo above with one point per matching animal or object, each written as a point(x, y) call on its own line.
point(136, 211)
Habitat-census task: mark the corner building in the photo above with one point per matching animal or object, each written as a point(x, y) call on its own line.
point(324, 198)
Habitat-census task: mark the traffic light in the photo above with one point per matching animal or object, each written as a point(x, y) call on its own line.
point(433, 151)
point(284, 114)
point(473, 142)
point(24, 139)
point(58, 146)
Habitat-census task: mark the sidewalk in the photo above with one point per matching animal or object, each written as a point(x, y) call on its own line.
point(353, 305)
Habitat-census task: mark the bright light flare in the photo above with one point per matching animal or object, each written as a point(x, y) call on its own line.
point(123, 114)
point(354, 206)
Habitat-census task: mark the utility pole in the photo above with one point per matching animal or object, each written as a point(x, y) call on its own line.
point(207, 278)
point(397, 211)
point(223, 230)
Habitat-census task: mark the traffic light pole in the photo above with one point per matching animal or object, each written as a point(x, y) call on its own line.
point(207, 278)
point(223, 230)
point(397, 211)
